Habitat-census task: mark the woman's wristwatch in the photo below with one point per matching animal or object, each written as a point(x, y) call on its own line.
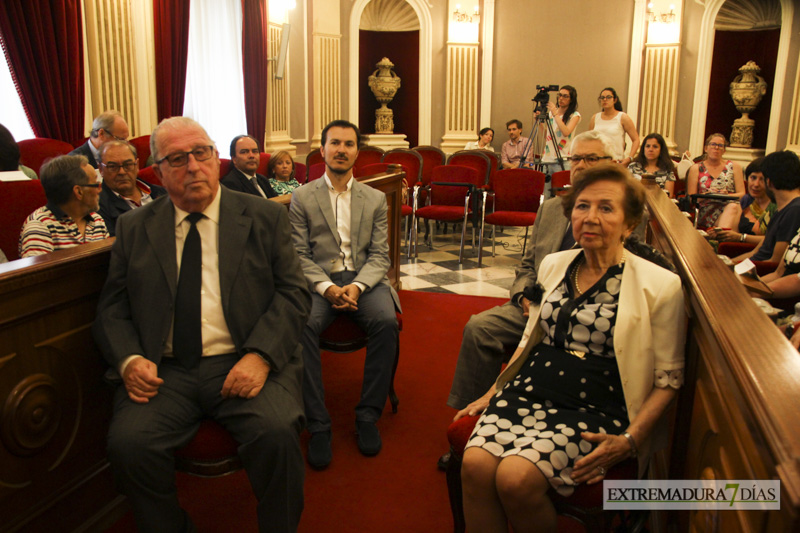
point(743, 237)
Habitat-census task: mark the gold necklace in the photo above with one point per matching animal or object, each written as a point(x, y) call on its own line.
point(577, 268)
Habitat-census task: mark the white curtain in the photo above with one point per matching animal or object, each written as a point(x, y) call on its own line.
point(214, 87)
point(12, 114)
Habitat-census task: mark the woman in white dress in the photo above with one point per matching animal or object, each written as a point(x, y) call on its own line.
point(614, 123)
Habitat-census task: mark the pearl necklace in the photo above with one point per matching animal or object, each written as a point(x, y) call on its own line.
point(576, 270)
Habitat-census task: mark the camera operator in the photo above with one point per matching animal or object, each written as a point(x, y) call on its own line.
point(514, 147)
point(564, 118)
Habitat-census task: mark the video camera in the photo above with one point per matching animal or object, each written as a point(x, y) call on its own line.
point(542, 98)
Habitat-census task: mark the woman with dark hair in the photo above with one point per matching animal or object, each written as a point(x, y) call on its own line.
point(614, 123)
point(653, 158)
point(754, 211)
point(9, 154)
point(600, 360)
point(716, 176)
point(280, 171)
point(484, 141)
point(564, 118)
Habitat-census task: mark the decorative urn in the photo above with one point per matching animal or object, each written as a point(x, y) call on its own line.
point(747, 89)
point(384, 84)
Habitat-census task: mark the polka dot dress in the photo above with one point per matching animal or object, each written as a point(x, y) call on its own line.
point(540, 413)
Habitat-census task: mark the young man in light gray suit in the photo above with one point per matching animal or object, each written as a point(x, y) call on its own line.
point(340, 231)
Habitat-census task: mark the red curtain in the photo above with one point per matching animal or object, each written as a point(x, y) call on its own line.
point(171, 24)
point(255, 53)
point(43, 44)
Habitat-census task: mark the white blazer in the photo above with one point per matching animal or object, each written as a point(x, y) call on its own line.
point(650, 331)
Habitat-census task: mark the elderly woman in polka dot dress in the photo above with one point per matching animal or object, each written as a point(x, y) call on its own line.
point(599, 362)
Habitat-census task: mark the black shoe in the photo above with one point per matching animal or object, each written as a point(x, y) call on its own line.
point(319, 450)
point(369, 438)
point(443, 461)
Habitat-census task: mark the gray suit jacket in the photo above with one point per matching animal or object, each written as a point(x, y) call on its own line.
point(317, 240)
point(264, 296)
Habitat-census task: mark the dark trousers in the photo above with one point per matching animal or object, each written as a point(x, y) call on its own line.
point(376, 316)
point(143, 438)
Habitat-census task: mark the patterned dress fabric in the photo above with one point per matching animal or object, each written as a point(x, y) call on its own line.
point(570, 383)
point(284, 187)
point(661, 176)
point(710, 210)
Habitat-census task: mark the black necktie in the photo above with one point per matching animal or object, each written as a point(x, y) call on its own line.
point(187, 339)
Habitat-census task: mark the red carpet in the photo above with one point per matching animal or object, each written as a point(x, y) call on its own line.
point(400, 490)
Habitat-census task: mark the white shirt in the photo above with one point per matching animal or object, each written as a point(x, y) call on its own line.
point(340, 203)
point(216, 336)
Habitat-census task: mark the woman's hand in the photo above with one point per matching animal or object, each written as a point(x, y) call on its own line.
point(611, 450)
point(476, 407)
point(724, 235)
point(552, 108)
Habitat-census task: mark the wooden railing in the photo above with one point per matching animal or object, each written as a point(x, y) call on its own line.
point(54, 405)
point(737, 415)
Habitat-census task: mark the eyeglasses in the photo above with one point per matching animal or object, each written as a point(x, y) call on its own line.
point(716, 145)
point(563, 95)
point(590, 159)
point(606, 97)
point(114, 167)
point(181, 159)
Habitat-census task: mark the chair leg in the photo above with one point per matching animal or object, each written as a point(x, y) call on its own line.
point(483, 224)
point(494, 236)
point(454, 491)
point(525, 242)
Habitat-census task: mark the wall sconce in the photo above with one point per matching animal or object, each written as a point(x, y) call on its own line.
point(666, 18)
point(463, 16)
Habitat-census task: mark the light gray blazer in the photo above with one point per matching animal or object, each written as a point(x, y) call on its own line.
point(317, 241)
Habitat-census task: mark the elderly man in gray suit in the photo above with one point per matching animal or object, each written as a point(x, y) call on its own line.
point(201, 315)
point(340, 230)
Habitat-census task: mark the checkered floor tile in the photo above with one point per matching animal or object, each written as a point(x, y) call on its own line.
point(438, 269)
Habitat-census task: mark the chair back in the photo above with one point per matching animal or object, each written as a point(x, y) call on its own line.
point(300, 173)
point(18, 199)
point(314, 157)
point(225, 166)
point(370, 170)
point(518, 189)
point(410, 160)
point(475, 159)
point(315, 171)
point(442, 194)
point(142, 145)
point(262, 164)
point(148, 175)
point(494, 158)
point(559, 180)
point(368, 155)
point(432, 157)
point(35, 152)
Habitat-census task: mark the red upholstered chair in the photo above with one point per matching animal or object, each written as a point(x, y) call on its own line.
point(35, 152)
point(313, 157)
point(300, 173)
point(345, 336)
point(735, 249)
point(517, 195)
point(476, 159)
point(368, 155)
point(18, 199)
point(262, 164)
point(316, 171)
point(142, 145)
point(412, 163)
point(450, 200)
point(211, 453)
point(560, 182)
point(370, 170)
point(149, 175)
point(225, 166)
point(585, 505)
point(432, 157)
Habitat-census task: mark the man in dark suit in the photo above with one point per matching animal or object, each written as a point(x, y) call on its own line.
point(108, 126)
point(243, 176)
point(340, 230)
point(201, 315)
point(122, 189)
